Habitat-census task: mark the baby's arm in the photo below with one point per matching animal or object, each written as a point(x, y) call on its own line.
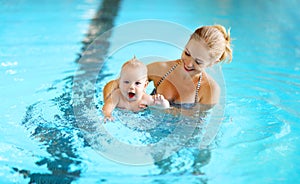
point(110, 104)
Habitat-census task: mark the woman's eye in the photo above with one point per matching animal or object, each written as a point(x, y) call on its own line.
point(186, 53)
point(199, 62)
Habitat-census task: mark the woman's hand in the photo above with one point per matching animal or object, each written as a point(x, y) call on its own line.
point(143, 106)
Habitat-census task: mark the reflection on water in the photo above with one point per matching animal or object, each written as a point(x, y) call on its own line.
point(53, 122)
point(59, 136)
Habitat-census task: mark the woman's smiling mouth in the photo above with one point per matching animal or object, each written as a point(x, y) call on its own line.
point(187, 69)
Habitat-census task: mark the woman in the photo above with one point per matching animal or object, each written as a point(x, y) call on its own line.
point(184, 81)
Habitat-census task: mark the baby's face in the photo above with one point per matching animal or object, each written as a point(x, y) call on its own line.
point(132, 84)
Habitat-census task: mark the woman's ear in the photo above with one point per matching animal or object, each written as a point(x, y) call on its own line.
point(214, 62)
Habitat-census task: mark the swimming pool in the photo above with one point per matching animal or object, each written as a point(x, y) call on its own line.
point(41, 139)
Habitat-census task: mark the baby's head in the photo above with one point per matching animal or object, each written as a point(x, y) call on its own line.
point(133, 79)
point(134, 67)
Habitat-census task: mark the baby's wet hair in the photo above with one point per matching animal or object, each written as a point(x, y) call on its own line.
point(135, 63)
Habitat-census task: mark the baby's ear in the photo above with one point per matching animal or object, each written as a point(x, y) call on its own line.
point(146, 83)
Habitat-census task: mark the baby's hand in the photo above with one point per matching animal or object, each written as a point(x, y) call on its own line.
point(158, 99)
point(108, 118)
point(161, 101)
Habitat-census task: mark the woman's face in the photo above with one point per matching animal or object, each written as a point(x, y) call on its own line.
point(195, 56)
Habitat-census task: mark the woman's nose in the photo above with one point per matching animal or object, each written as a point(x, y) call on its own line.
point(189, 62)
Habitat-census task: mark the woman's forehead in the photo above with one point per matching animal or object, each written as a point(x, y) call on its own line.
point(198, 49)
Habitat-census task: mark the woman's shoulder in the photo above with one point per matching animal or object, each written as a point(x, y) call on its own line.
point(160, 66)
point(210, 90)
point(213, 86)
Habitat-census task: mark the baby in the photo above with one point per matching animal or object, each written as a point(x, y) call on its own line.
point(131, 93)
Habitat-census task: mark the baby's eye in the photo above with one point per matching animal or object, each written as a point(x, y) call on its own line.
point(186, 53)
point(138, 83)
point(126, 82)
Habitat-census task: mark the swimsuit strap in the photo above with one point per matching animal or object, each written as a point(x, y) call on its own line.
point(198, 87)
point(171, 70)
point(166, 75)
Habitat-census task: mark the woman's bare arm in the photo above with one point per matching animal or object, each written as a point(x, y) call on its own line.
point(109, 88)
point(210, 95)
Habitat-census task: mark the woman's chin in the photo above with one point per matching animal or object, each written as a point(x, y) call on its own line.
point(192, 72)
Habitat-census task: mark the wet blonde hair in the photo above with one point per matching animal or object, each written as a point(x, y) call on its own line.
point(135, 64)
point(217, 40)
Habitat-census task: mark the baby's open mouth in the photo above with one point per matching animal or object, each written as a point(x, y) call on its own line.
point(131, 94)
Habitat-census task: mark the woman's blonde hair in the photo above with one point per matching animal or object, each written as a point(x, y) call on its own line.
point(217, 40)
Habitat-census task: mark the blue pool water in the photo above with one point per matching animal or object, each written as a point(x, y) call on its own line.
point(45, 138)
